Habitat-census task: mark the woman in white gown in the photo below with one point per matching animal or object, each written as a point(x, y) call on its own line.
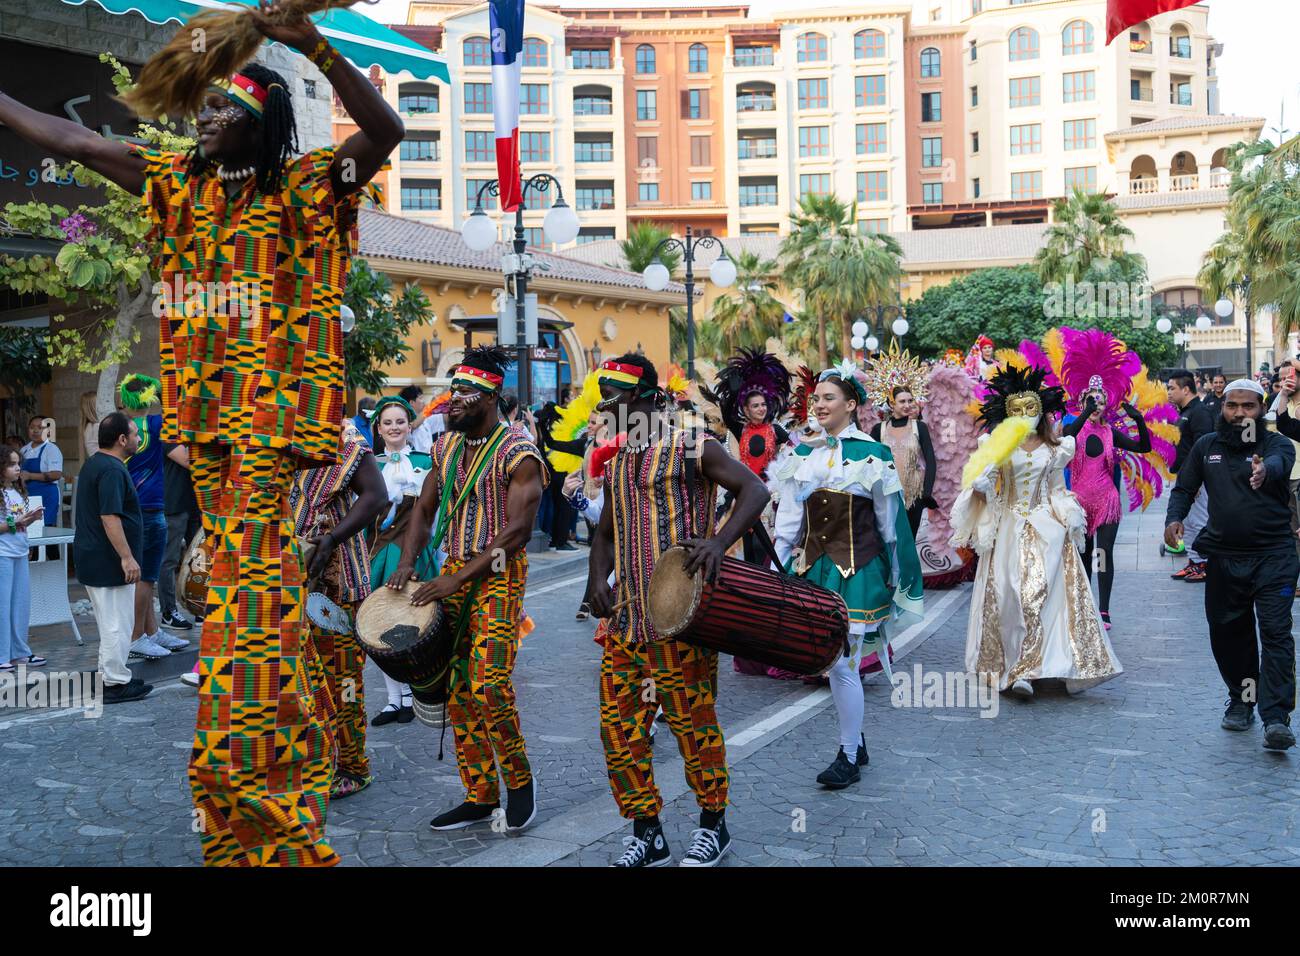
point(1032, 614)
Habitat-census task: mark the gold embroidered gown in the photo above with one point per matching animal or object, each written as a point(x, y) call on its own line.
point(1032, 612)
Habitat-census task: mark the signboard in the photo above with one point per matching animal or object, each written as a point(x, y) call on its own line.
point(508, 321)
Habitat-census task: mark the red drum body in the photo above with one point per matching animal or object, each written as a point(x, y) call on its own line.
point(750, 612)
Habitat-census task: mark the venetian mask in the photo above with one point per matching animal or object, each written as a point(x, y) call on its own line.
point(1025, 405)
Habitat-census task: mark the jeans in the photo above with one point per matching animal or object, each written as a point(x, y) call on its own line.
point(155, 543)
point(15, 608)
point(179, 535)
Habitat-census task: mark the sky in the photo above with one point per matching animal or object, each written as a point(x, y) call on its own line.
point(1259, 72)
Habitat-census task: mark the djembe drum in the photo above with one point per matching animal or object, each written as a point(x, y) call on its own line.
point(412, 645)
point(195, 570)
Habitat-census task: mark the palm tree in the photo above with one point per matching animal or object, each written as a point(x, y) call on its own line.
point(1087, 234)
point(638, 249)
point(750, 313)
point(839, 273)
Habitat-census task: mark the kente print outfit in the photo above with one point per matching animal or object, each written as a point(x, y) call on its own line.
point(481, 703)
point(327, 492)
point(654, 509)
point(253, 384)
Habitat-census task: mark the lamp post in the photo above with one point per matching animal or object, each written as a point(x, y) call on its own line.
point(1224, 309)
point(721, 273)
point(479, 232)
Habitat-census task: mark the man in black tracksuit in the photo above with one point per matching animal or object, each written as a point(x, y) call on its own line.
point(1251, 565)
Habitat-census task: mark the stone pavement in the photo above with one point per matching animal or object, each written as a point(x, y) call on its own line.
point(1134, 771)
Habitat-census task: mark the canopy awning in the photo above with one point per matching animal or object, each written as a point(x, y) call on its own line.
point(360, 39)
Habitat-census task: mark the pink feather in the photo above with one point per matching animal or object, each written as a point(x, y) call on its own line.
point(1090, 352)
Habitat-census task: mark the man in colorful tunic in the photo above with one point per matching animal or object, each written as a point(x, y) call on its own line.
point(661, 491)
point(252, 374)
point(484, 490)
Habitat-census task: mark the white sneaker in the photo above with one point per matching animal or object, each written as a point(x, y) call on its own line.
point(1022, 688)
point(191, 679)
point(146, 648)
point(169, 641)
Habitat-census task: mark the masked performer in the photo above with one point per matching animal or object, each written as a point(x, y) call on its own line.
point(660, 491)
point(485, 488)
point(404, 470)
point(1032, 614)
point(252, 376)
point(332, 506)
point(898, 381)
point(979, 360)
point(850, 486)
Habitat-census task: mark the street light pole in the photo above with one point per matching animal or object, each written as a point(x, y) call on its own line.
point(722, 273)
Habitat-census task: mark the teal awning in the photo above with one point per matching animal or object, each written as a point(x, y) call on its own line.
point(360, 39)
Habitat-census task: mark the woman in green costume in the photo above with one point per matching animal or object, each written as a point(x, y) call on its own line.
point(841, 524)
point(404, 471)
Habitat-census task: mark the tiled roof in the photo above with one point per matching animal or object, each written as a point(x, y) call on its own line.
point(1173, 124)
point(1187, 197)
point(391, 237)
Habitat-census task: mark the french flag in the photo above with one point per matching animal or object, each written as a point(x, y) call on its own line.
point(1122, 14)
point(506, 18)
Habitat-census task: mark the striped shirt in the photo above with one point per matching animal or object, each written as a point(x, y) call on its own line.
point(653, 510)
point(327, 491)
point(483, 515)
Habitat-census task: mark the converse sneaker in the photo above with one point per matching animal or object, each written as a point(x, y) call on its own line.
point(839, 774)
point(521, 806)
point(707, 846)
point(170, 641)
point(465, 815)
point(176, 622)
point(145, 647)
point(1278, 737)
point(649, 849)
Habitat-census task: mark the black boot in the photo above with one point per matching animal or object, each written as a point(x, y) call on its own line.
point(521, 806)
point(839, 774)
point(863, 757)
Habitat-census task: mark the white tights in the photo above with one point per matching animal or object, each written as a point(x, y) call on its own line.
point(396, 691)
point(846, 691)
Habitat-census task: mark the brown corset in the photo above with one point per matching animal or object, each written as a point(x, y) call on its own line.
point(842, 527)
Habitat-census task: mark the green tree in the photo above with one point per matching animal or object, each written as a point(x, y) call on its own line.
point(749, 313)
point(638, 249)
point(382, 323)
point(24, 367)
point(1087, 233)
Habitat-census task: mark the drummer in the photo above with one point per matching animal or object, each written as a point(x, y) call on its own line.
point(485, 486)
point(660, 491)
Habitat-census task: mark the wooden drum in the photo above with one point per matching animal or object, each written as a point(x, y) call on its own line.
point(410, 644)
point(195, 569)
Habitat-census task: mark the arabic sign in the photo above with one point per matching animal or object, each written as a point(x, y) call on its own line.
point(74, 86)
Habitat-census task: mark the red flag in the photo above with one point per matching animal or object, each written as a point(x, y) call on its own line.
point(1122, 14)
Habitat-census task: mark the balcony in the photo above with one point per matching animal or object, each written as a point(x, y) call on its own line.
point(1143, 187)
point(591, 60)
point(1143, 94)
point(756, 149)
point(1180, 97)
point(753, 56)
point(1184, 182)
point(756, 103)
point(1140, 46)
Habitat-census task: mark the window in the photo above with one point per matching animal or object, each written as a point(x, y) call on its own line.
point(868, 227)
point(586, 104)
point(647, 151)
point(535, 238)
point(472, 188)
point(872, 138)
point(1180, 93)
point(930, 108)
point(701, 190)
point(1026, 91)
point(932, 152)
point(974, 142)
point(480, 146)
point(929, 62)
point(419, 148)
point(869, 90)
point(1023, 44)
point(647, 192)
point(697, 58)
point(1079, 87)
point(535, 53)
point(974, 96)
point(591, 59)
point(421, 194)
point(1076, 37)
point(1026, 139)
point(598, 195)
point(815, 184)
point(534, 98)
point(594, 234)
point(814, 140)
point(696, 103)
point(478, 52)
point(700, 151)
point(534, 147)
point(754, 99)
point(931, 193)
point(1081, 177)
point(974, 52)
point(416, 103)
point(813, 95)
point(597, 149)
point(754, 56)
point(873, 186)
point(1081, 134)
point(538, 198)
point(975, 188)
point(868, 45)
point(976, 6)
point(645, 58)
point(758, 191)
point(478, 97)
point(1180, 45)
point(1027, 185)
point(756, 146)
point(811, 48)
point(646, 105)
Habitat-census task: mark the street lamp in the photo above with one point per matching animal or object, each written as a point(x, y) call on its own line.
point(722, 273)
point(595, 354)
point(480, 233)
point(347, 319)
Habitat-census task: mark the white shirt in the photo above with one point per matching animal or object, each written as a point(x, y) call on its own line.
point(51, 457)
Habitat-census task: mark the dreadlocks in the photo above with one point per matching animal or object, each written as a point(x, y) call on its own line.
point(489, 358)
point(276, 132)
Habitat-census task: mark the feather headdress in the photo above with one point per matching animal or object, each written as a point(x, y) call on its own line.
point(571, 423)
point(1095, 354)
point(139, 391)
point(748, 372)
point(1016, 380)
point(801, 405)
point(895, 369)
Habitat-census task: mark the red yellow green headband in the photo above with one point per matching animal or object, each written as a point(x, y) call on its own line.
point(477, 378)
point(619, 375)
point(249, 94)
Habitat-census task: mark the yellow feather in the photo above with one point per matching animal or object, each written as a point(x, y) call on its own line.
point(1002, 441)
point(1055, 350)
point(570, 423)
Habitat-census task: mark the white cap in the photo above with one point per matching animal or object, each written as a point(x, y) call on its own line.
point(1246, 384)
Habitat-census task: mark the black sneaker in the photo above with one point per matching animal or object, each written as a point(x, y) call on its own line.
point(521, 807)
point(175, 622)
point(135, 689)
point(563, 547)
point(1238, 716)
point(863, 758)
point(1278, 737)
point(649, 849)
point(839, 774)
point(465, 815)
point(708, 846)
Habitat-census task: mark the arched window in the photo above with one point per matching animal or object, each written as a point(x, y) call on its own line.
point(868, 45)
point(812, 48)
point(1076, 37)
point(535, 53)
point(929, 62)
point(645, 58)
point(1023, 45)
point(698, 58)
point(478, 52)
